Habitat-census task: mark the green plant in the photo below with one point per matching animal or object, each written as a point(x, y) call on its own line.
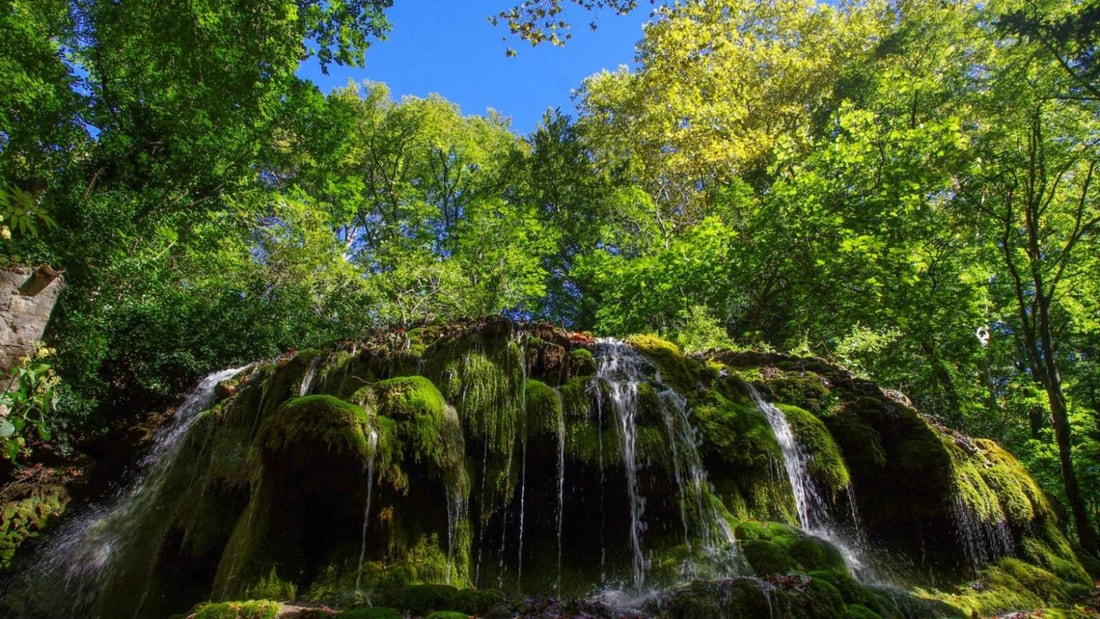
point(251, 609)
point(30, 399)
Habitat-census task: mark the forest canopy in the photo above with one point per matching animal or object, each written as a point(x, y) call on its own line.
point(907, 187)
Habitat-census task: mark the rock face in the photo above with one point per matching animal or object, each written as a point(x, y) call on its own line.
point(27, 297)
point(517, 458)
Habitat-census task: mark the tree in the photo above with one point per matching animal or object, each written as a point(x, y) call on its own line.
point(1069, 33)
point(1035, 186)
point(137, 127)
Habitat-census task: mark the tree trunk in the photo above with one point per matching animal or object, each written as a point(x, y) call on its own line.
point(1059, 414)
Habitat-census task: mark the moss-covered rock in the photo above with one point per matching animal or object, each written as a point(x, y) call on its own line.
point(251, 609)
point(544, 410)
point(418, 465)
point(28, 506)
point(775, 548)
point(826, 465)
point(322, 420)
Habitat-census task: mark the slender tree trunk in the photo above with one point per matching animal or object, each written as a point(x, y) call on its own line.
point(1059, 414)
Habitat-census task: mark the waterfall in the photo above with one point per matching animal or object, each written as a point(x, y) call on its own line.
point(456, 506)
point(707, 537)
point(813, 511)
point(711, 531)
point(372, 439)
point(619, 369)
point(307, 380)
point(84, 554)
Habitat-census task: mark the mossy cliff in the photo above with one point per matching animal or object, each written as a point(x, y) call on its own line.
point(422, 470)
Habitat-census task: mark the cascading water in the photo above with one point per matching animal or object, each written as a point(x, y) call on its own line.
point(813, 511)
point(619, 371)
point(307, 380)
point(372, 443)
point(84, 553)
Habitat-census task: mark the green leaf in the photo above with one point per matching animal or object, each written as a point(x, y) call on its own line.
point(6, 428)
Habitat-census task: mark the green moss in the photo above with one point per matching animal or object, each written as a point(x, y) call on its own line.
point(774, 548)
point(827, 598)
point(337, 425)
point(972, 490)
point(427, 429)
point(1022, 501)
point(1009, 585)
point(575, 398)
point(767, 557)
point(24, 515)
point(477, 601)
point(544, 410)
point(447, 614)
point(826, 463)
point(586, 443)
point(859, 611)
point(490, 405)
point(803, 389)
point(860, 442)
point(252, 609)
point(734, 432)
point(424, 599)
point(742, 456)
point(581, 362)
point(675, 369)
point(271, 587)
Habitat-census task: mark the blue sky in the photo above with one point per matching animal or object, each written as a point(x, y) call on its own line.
point(448, 47)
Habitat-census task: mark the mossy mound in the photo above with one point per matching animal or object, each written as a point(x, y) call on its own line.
point(775, 548)
point(428, 430)
point(794, 596)
point(407, 468)
point(316, 422)
point(544, 415)
point(1011, 585)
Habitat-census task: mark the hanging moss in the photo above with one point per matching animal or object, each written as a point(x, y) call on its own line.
point(586, 443)
point(576, 399)
point(1021, 499)
point(543, 411)
point(862, 444)
point(826, 463)
point(971, 486)
point(489, 401)
point(427, 429)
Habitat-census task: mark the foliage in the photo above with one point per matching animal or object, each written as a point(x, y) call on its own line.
point(29, 399)
point(541, 21)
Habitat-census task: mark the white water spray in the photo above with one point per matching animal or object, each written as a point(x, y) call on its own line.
point(813, 511)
